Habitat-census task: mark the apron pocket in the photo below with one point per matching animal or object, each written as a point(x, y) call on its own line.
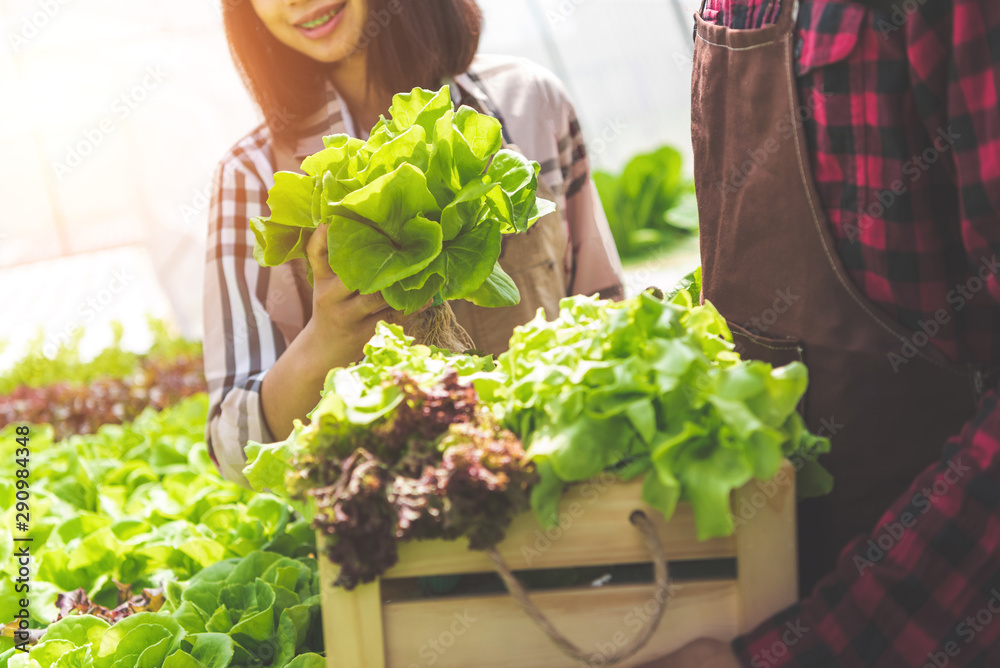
point(776, 352)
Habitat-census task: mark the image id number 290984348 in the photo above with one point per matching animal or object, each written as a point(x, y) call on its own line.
point(22, 541)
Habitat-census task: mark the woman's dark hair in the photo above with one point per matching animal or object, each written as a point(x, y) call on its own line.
point(409, 43)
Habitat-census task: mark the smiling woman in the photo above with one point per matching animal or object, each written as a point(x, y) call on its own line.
point(316, 69)
point(286, 51)
point(304, 30)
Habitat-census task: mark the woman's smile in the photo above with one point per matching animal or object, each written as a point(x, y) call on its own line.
point(321, 22)
point(326, 31)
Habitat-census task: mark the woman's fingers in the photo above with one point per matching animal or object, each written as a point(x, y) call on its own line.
point(316, 251)
point(389, 315)
point(372, 304)
point(352, 306)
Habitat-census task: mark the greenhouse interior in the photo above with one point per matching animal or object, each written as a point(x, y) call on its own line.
point(488, 333)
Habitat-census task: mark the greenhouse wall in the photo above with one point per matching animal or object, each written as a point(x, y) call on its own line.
point(113, 116)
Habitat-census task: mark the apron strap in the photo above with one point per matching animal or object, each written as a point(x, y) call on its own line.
point(483, 102)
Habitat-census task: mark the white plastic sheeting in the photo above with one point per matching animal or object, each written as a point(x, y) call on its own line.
point(113, 115)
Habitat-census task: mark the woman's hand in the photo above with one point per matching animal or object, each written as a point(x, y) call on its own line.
point(702, 653)
point(342, 321)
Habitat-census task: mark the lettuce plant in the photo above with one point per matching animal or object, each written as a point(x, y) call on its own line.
point(649, 205)
point(138, 504)
point(652, 387)
point(416, 212)
point(259, 610)
point(76, 396)
point(399, 449)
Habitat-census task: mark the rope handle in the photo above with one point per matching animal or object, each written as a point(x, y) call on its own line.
point(516, 589)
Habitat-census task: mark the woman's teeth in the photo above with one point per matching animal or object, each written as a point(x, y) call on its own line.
point(315, 23)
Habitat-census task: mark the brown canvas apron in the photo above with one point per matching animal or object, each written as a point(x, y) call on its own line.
point(534, 260)
point(769, 264)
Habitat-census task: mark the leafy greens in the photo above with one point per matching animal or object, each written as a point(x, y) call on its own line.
point(652, 387)
point(138, 504)
point(398, 449)
point(416, 212)
point(259, 610)
point(649, 205)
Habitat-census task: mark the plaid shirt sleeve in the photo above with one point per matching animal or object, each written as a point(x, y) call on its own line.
point(542, 121)
point(960, 94)
point(922, 590)
point(241, 342)
point(594, 266)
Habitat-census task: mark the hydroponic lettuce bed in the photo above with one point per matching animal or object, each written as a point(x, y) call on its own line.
point(141, 554)
point(144, 556)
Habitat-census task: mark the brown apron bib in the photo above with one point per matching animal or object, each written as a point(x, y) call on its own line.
point(534, 260)
point(769, 264)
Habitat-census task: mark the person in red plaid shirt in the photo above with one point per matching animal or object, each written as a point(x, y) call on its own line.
point(897, 113)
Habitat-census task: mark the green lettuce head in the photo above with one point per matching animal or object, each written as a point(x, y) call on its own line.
point(416, 212)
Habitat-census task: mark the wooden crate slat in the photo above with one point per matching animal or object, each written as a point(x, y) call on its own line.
point(596, 532)
point(766, 551)
point(361, 632)
point(493, 632)
point(352, 622)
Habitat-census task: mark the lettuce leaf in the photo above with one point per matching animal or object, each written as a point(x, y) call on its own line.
point(416, 212)
point(652, 387)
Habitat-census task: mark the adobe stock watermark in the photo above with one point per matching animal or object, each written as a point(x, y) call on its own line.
point(794, 632)
point(192, 212)
point(435, 648)
point(785, 130)
point(545, 538)
point(33, 24)
point(379, 21)
point(122, 107)
point(89, 310)
point(783, 300)
point(563, 11)
point(958, 297)
point(635, 620)
point(598, 145)
point(967, 629)
point(897, 18)
point(889, 534)
point(914, 168)
point(750, 506)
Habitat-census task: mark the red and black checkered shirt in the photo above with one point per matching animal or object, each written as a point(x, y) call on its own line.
point(901, 115)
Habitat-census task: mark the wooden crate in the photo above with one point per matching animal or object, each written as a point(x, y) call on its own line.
point(361, 631)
